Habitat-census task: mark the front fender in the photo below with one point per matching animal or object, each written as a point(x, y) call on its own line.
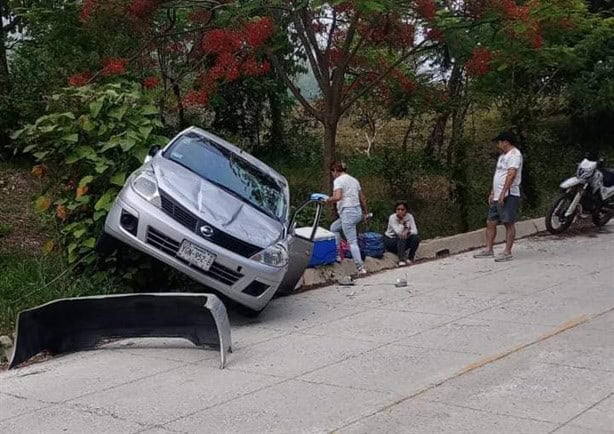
point(571, 182)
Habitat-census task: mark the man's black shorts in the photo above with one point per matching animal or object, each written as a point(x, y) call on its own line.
point(505, 213)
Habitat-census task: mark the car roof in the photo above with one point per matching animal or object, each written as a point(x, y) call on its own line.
point(235, 149)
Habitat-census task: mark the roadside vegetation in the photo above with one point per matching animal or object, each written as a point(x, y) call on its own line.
point(410, 94)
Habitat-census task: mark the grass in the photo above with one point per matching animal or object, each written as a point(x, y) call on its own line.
point(6, 229)
point(24, 276)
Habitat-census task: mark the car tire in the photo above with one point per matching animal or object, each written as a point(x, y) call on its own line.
point(106, 244)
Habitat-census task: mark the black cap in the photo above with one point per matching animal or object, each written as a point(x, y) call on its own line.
point(505, 136)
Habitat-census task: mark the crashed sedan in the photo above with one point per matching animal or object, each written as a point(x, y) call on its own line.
point(217, 214)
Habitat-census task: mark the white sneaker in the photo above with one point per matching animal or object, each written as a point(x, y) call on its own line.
point(402, 263)
point(362, 271)
point(339, 258)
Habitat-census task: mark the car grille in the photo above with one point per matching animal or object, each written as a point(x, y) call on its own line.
point(193, 223)
point(169, 246)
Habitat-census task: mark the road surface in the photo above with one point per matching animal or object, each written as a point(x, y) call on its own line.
point(470, 346)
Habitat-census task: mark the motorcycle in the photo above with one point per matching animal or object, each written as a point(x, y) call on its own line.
point(590, 192)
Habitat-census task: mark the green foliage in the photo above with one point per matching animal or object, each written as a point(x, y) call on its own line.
point(52, 46)
point(91, 139)
point(591, 100)
point(6, 229)
point(26, 281)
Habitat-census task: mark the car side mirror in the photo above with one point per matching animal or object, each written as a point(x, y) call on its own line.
point(151, 153)
point(153, 150)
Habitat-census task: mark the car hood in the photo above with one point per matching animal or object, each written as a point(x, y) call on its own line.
point(216, 206)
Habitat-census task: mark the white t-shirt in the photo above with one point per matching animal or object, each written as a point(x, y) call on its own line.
point(511, 160)
point(350, 191)
point(396, 228)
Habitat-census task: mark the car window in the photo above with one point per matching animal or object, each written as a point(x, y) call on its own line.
point(228, 170)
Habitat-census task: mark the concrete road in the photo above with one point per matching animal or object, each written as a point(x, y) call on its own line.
point(469, 346)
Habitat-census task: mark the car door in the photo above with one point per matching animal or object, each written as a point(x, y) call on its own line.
point(300, 247)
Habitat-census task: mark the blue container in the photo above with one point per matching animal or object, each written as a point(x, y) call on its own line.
point(324, 248)
point(371, 244)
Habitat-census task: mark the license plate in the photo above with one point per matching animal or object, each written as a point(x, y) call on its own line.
point(195, 255)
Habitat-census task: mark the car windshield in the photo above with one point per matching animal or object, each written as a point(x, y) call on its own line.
point(228, 170)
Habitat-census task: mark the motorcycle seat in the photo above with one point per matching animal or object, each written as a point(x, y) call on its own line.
point(608, 177)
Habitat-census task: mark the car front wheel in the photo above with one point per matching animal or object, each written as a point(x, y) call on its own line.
point(106, 244)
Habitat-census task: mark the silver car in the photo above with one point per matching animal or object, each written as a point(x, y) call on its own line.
point(217, 214)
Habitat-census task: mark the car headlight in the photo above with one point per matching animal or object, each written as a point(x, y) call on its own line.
point(275, 255)
point(145, 185)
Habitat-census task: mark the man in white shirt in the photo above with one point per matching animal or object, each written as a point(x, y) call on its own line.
point(504, 198)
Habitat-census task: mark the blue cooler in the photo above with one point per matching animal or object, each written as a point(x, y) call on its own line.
point(324, 247)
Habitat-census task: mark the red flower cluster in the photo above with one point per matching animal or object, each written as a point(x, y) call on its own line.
point(196, 98)
point(537, 40)
point(87, 9)
point(512, 11)
point(426, 9)
point(389, 29)
point(141, 9)
point(256, 33)
point(114, 66)
point(479, 64)
point(200, 16)
point(435, 34)
point(78, 80)
point(151, 82)
point(404, 81)
point(345, 7)
point(251, 67)
point(220, 41)
point(235, 50)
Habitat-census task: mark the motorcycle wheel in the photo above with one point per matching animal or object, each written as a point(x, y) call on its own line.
point(601, 218)
point(556, 222)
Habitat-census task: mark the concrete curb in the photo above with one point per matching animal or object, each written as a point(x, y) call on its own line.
point(429, 249)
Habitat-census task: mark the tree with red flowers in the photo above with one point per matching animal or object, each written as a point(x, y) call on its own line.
point(352, 48)
point(185, 49)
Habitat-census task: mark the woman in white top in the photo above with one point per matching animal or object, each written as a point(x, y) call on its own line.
point(401, 236)
point(351, 207)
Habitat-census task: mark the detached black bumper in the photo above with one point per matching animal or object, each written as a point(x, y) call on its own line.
point(75, 324)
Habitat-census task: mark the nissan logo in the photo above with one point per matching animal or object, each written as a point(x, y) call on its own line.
point(206, 231)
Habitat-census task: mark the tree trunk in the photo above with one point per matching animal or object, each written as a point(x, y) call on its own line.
point(180, 112)
point(329, 152)
point(410, 129)
point(5, 84)
point(277, 139)
point(434, 144)
point(457, 155)
point(461, 190)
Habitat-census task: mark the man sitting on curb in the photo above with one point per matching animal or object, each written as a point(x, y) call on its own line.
point(504, 198)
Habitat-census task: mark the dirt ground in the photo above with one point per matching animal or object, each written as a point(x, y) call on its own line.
point(20, 227)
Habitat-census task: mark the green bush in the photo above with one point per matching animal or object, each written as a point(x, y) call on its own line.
point(90, 140)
